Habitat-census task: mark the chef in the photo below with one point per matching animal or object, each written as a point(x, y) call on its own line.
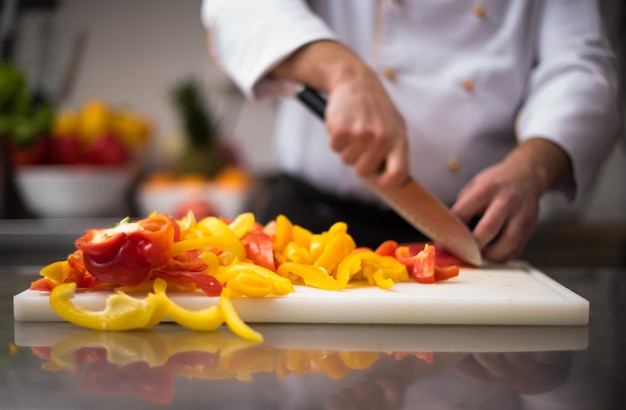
point(487, 104)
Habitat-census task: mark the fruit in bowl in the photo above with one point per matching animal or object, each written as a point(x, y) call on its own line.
point(224, 195)
point(205, 175)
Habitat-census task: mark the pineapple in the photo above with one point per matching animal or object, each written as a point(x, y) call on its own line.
point(201, 154)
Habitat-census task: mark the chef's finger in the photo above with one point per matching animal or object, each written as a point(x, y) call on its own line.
point(492, 222)
point(472, 202)
point(350, 154)
point(512, 240)
point(370, 161)
point(393, 171)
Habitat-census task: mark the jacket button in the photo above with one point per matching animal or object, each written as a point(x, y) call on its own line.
point(467, 84)
point(453, 164)
point(389, 73)
point(479, 11)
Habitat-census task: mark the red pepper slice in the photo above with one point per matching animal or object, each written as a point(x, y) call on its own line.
point(442, 257)
point(424, 267)
point(387, 248)
point(126, 253)
point(208, 283)
point(446, 272)
point(260, 249)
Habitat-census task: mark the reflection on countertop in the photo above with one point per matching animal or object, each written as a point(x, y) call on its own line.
point(59, 365)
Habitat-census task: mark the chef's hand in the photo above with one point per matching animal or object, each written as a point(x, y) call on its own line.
point(506, 197)
point(365, 127)
point(367, 130)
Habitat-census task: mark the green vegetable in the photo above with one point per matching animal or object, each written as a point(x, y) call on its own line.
point(201, 129)
point(21, 120)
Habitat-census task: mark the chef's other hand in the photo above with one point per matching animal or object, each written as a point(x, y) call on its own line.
point(506, 197)
point(367, 130)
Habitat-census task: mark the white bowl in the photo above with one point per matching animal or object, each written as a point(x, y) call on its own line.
point(228, 202)
point(74, 191)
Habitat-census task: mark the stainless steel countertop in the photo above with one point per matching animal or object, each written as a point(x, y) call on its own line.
point(61, 366)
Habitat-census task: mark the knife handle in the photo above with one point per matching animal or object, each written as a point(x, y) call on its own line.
point(313, 100)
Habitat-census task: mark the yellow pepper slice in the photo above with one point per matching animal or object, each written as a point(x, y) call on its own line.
point(204, 319)
point(234, 322)
point(381, 281)
point(338, 247)
point(296, 253)
point(56, 271)
point(220, 242)
point(311, 275)
point(249, 283)
point(122, 312)
point(279, 284)
point(284, 231)
point(242, 224)
point(352, 264)
point(218, 228)
point(301, 236)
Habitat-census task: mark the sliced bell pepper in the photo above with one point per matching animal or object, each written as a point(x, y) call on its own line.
point(283, 234)
point(260, 249)
point(311, 275)
point(122, 312)
point(126, 253)
point(279, 284)
point(242, 224)
point(424, 267)
point(387, 248)
point(234, 322)
point(221, 243)
point(339, 246)
point(209, 318)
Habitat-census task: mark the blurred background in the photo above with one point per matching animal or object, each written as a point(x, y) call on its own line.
point(138, 72)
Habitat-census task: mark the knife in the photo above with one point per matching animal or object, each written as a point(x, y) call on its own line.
point(415, 204)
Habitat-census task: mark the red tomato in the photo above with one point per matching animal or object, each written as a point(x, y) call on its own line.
point(260, 249)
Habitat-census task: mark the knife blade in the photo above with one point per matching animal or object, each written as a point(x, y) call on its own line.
point(415, 204)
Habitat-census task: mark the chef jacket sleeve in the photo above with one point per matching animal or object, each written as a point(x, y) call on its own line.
point(248, 38)
point(572, 91)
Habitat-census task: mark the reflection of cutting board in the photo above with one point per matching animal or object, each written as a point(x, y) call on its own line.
point(515, 294)
point(353, 338)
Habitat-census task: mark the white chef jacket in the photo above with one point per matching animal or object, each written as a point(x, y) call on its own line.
point(471, 79)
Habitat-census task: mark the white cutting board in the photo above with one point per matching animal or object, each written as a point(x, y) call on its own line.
point(515, 294)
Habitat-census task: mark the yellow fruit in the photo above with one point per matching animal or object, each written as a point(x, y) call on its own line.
point(131, 128)
point(94, 121)
point(66, 123)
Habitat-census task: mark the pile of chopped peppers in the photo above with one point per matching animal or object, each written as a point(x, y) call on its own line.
point(221, 258)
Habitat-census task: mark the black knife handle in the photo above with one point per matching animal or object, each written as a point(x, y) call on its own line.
point(313, 100)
